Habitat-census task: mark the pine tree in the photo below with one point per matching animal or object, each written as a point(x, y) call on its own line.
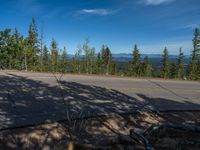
point(192, 71)
point(41, 42)
point(106, 59)
point(136, 62)
point(196, 42)
point(129, 69)
point(146, 67)
point(180, 64)
point(4, 48)
point(112, 68)
point(86, 50)
point(136, 56)
point(76, 63)
point(54, 56)
point(64, 61)
point(98, 64)
point(26, 49)
point(198, 70)
point(17, 50)
point(46, 59)
point(10, 50)
point(173, 70)
point(33, 51)
point(89, 57)
point(165, 69)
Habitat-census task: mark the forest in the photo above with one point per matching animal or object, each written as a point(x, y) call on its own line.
point(31, 54)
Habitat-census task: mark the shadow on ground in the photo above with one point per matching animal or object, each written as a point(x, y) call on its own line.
point(24, 101)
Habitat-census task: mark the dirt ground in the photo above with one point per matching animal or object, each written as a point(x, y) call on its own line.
point(102, 132)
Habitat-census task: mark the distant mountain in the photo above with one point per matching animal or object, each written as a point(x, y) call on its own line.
point(128, 57)
point(153, 58)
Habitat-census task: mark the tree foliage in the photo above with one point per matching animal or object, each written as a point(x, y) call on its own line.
point(136, 70)
point(33, 46)
point(64, 61)
point(165, 69)
point(193, 66)
point(54, 56)
point(196, 46)
point(31, 54)
point(46, 59)
point(180, 65)
point(146, 68)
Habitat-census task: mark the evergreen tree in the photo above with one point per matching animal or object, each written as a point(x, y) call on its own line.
point(146, 67)
point(196, 42)
point(173, 70)
point(41, 42)
point(106, 59)
point(112, 68)
point(192, 71)
point(89, 57)
point(4, 48)
point(26, 49)
point(198, 70)
point(10, 50)
point(33, 51)
point(98, 64)
point(54, 56)
point(165, 69)
point(136, 56)
point(64, 61)
point(136, 62)
point(129, 69)
point(16, 54)
point(76, 63)
point(180, 64)
point(45, 59)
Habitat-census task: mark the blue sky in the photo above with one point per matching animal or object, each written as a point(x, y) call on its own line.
point(151, 24)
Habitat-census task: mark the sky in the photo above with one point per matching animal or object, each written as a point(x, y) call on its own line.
point(119, 24)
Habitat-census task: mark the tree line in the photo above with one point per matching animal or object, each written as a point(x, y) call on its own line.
point(31, 54)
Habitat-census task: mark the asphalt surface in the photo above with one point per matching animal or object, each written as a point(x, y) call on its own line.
point(29, 98)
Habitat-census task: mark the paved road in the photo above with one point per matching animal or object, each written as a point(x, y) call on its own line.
point(27, 98)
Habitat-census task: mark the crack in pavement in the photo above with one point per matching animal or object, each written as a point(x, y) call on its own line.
point(170, 91)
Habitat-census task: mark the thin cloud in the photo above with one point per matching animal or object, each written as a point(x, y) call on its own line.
point(155, 2)
point(98, 12)
point(30, 6)
point(191, 26)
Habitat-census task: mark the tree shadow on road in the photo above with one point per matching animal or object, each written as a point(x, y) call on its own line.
point(174, 111)
point(25, 101)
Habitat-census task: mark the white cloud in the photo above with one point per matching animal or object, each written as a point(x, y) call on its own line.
point(99, 12)
point(191, 26)
point(155, 2)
